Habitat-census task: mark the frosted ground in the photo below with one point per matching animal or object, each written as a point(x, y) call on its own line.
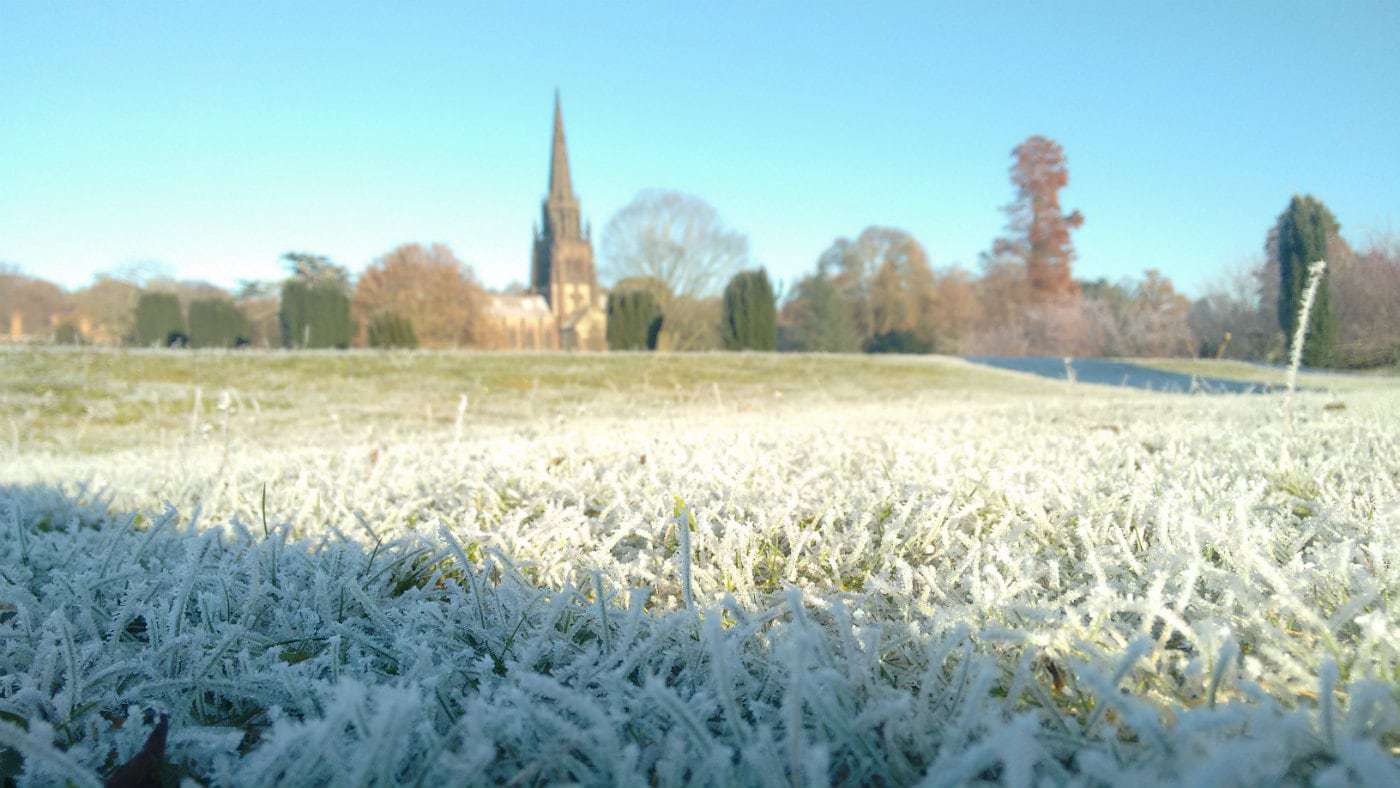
point(753, 571)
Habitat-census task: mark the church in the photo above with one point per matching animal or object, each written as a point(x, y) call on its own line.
point(564, 308)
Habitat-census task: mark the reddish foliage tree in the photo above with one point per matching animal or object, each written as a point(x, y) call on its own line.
point(1037, 232)
point(431, 289)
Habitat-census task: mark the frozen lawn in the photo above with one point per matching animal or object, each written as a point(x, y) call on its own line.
point(746, 570)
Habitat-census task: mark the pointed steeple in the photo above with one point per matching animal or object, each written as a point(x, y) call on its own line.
point(561, 214)
point(562, 268)
point(559, 183)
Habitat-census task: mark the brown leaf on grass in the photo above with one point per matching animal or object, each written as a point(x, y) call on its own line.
point(144, 768)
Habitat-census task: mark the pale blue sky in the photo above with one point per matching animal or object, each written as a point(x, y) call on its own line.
point(214, 136)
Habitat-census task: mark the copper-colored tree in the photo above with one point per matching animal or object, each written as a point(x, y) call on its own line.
point(428, 286)
point(109, 307)
point(1037, 231)
point(28, 303)
point(955, 309)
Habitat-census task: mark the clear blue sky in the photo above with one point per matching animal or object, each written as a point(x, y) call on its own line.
point(214, 136)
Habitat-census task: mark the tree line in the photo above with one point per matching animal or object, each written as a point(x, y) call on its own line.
point(683, 280)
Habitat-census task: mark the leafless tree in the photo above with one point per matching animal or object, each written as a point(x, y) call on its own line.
point(676, 238)
point(1157, 323)
point(1232, 319)
point(1366, 297)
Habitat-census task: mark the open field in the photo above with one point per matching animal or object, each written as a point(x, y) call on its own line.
point(94, 400)
point(742, 570)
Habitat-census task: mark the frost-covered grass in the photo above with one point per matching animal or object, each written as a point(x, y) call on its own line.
point(1089, 587)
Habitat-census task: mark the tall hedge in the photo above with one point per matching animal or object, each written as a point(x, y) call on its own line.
point(750, 312)
point(390, 330)
point(159, 320)
point(1303, 231)
point(634, 320)
point(217, 322)
point(315, 315)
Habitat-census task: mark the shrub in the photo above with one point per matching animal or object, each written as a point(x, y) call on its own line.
point(898, 342)
point(750, 312)
point(215, 322)
point(390, 330)
point(634, 320)
point(315, 314)
point(67, 333)
point(159, 320)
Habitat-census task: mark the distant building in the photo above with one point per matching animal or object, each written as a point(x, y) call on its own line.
point(564, 308)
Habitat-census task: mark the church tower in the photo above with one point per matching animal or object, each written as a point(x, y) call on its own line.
point(562, 270)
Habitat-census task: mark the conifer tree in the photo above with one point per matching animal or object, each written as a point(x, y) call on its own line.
point(216, 322)
point(634, 320)
point(159, 320)
point(315, 309)
point(750, 312)
point(1301, 238)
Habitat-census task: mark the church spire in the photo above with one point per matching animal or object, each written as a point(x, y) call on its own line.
point(559, 185)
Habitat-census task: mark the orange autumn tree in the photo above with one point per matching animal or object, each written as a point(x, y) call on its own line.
point(1037, 231)
point(430, 288)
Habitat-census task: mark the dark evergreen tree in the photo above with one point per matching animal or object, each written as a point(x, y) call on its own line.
point(750, 312)
point(898, 342)
point(818, 320)
point(159, 320)
point(634, 320)
point(315, 314)
point(217, 322)
point(390, 330)
point(1301, 239)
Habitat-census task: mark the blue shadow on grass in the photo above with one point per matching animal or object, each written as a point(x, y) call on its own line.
point(1108, 372)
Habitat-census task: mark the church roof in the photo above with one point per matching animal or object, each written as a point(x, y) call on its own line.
point(526, 305)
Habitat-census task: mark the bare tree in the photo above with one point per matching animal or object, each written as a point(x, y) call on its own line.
point(1157, 323)
point(1366, 296)
point(676, 238)
point(1237, 318)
